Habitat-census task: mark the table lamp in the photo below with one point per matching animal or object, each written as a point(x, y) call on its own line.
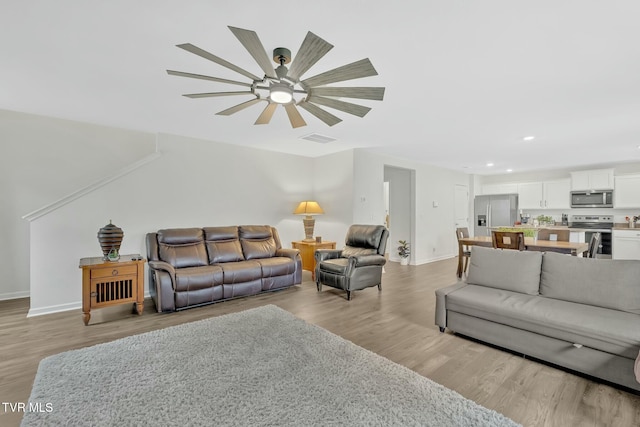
point(308, 208)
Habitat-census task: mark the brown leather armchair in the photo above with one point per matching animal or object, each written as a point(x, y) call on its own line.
point(358, 265)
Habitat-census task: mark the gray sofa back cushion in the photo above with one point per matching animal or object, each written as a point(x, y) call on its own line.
point(601, 282)
point(182, 247)
point(223, 244)
point(511, 270)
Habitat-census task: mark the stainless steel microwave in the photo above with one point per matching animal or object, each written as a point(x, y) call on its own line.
point(592, 199)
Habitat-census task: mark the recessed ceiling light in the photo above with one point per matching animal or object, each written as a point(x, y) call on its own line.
point(489, 164)
point(509, 170)
point(528, 138)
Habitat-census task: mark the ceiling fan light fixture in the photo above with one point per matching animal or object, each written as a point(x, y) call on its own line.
point(280, 93)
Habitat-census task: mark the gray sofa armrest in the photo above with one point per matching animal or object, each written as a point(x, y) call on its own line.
point(365, 260)
point(324, 254)
point(441, 302)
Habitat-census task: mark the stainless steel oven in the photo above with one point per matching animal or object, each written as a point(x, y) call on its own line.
point(593, 224)
point(592, 199)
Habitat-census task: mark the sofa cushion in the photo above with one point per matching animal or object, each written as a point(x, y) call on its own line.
point(182, 247)
point(223, 244)
point(353, 251)
point(600, 282)
point(276, 266)
point(257, 241)
point(194, 278)
point(241, 271)
point(335, 266)
point(600, 328)
point(511, 270)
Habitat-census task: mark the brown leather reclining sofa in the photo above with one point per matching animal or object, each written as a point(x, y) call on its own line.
point(189, 267)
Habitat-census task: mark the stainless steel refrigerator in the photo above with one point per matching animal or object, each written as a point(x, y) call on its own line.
point(496, 210)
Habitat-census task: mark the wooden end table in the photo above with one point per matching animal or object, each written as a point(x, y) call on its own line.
point(108, 283)
point(307, 250)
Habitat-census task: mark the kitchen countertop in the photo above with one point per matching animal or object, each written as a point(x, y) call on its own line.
point(625, 226)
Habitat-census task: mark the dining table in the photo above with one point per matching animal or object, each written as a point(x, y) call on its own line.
point(530, 244)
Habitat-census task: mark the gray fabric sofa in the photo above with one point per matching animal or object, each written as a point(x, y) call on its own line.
point(194, 266)
point(579, 313)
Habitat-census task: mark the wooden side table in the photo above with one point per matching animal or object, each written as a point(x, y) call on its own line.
point(107, 283)
point(307, 253)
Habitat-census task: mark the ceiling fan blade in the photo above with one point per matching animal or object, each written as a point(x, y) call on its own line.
point(375, 93)
point(347, 107)
point(236, 108)
point(211, 57)
point(323, 115)
point(267, 113)
point(252, 43)
point(214, 94)
point(203, 77)
point(355, 70)
point(311, 50)
point(294, 115)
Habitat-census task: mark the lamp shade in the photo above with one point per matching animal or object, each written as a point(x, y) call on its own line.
point(308, 207)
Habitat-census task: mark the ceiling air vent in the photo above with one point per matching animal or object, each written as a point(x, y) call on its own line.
point(316, 137)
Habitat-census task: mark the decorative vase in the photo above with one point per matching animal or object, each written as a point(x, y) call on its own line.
point(632, 224)
point(110, 237)
point(404, 261)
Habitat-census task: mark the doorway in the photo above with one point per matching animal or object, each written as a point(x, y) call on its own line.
point(461, 206)
point(399, 188)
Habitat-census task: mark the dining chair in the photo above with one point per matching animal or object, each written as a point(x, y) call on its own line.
point(508, 240)
point(561, 235)
point(461, 233)
point(594, 244)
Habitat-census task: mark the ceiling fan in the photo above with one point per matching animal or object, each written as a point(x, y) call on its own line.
point(279, 85)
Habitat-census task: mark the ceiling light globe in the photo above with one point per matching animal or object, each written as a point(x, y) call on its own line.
point(280, 93)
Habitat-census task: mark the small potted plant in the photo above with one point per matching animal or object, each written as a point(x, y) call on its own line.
point(404, 251)
point(632, 220)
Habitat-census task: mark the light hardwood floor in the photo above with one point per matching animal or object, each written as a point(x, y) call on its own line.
point(397, 323)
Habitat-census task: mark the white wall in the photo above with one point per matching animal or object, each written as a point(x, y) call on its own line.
point(333, 190)
point(41, 160)
point(194, 183)
point(434, 226)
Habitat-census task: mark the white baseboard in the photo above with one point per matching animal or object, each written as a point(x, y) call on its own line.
point(14, 295)
point(424, 260)
point(430, 260)
point(54, 309)
point(61, 307)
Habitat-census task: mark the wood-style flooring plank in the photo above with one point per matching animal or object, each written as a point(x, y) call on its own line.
point(397, 323)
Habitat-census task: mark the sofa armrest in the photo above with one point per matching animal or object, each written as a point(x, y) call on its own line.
point(164, 266)
point(441, 302)
point(365, 260)
point(288, 253)
point(324, 254)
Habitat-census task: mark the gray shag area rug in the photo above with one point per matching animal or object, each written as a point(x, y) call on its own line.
point(260, 367)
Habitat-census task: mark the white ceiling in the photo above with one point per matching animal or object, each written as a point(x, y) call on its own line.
point(465, 80)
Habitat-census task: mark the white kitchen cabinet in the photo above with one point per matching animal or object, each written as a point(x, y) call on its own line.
point(627, 194)
point(530, 195)
point(597, 179)
point(626, 244)
point(507, 188)
point(557, 194)
point(544, 195)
